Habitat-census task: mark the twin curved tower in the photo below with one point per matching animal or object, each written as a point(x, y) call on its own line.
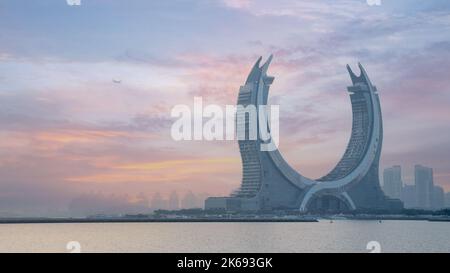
point(270, 183)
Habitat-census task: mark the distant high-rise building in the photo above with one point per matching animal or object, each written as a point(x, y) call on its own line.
point(424, 186)
point(158, 202)
point(201, 198)
point(438, 198)
point(409, 196)
point(447, 200)
point(392, 182)
point(190, 201)
point(174, 202)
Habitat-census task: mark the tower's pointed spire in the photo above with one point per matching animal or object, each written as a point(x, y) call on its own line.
point(265, 66)
point(254, 74)
point(364, 75)
point(354, 78)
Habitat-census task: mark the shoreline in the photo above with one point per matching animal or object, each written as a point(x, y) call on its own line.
point(152, 220)
point(215, 220)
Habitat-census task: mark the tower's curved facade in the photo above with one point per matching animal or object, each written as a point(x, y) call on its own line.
point(269, 183)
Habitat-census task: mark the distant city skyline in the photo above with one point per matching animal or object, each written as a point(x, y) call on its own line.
point(423, 194)
point(93, 204)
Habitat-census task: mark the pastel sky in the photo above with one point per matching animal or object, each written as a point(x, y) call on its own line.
point(67, 128)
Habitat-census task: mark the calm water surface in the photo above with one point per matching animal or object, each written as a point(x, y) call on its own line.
point(339, 236)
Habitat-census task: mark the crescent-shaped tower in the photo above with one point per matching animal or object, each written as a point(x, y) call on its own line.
point(269, 183)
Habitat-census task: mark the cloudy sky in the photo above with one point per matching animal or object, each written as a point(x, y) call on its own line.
point(67, 128)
